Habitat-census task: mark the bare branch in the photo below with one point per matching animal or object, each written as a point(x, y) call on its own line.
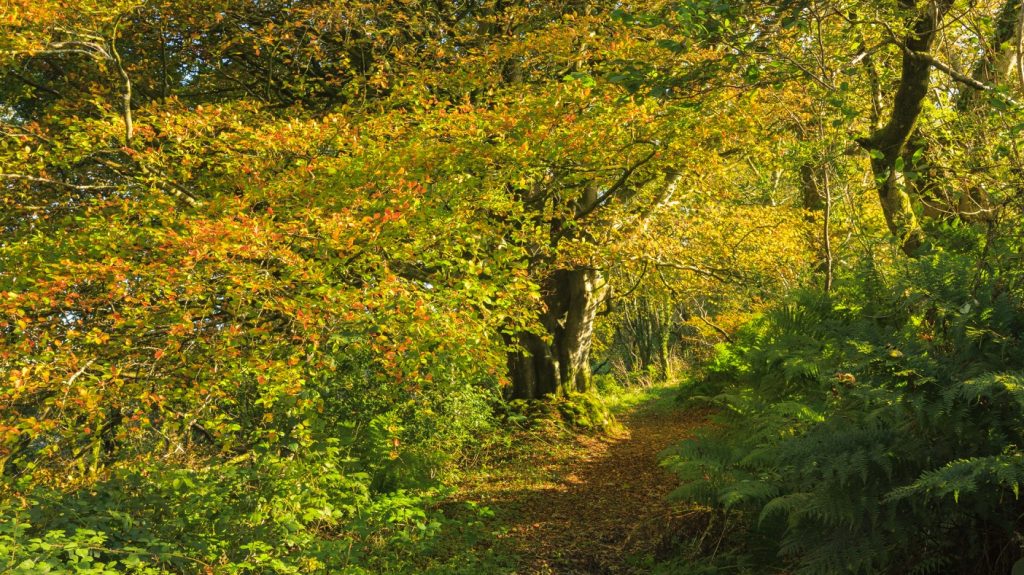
point(39, 180)
point(702, 315)
point(76, 46)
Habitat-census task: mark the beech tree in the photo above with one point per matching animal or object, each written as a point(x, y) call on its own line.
point(222, 219)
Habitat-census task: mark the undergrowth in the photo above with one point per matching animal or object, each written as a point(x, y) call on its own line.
point(876, 430)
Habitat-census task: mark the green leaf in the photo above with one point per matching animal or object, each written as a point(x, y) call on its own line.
point(583, 78)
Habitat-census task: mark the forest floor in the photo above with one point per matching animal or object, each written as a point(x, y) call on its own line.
point(594, 505)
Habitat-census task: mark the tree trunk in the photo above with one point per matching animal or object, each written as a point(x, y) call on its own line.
point(887, 143)
point(643, 337)
point(559, 361)
point(999, 58)
point(810, 186)
point(930, 186)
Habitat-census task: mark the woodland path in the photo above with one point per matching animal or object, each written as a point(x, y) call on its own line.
point(597, 506)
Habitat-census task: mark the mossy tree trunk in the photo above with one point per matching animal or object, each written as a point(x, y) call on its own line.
point(887, 143)
point(558, 360)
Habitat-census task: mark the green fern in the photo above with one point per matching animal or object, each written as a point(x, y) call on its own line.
point(966, 477)
point(875, 430)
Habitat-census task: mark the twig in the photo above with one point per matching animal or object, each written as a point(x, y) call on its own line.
point(80, 371)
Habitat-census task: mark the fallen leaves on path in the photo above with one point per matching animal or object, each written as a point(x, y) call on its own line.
point(590, 505)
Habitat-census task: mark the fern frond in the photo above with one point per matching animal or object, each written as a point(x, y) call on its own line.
point(963, 477)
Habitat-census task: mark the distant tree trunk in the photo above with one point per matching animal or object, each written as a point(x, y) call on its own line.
point(995, 67)
point(810, 189)
point(815, 189)
point(643, 337)
point(826, 232)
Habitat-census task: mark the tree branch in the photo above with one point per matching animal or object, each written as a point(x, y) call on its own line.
point(618, 185)
point(36, 85)
point(711, 273)
point(39, 180)
point(127, 96)
point(949, 71)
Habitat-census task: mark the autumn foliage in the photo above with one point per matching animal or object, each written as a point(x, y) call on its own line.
point(270, 271)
